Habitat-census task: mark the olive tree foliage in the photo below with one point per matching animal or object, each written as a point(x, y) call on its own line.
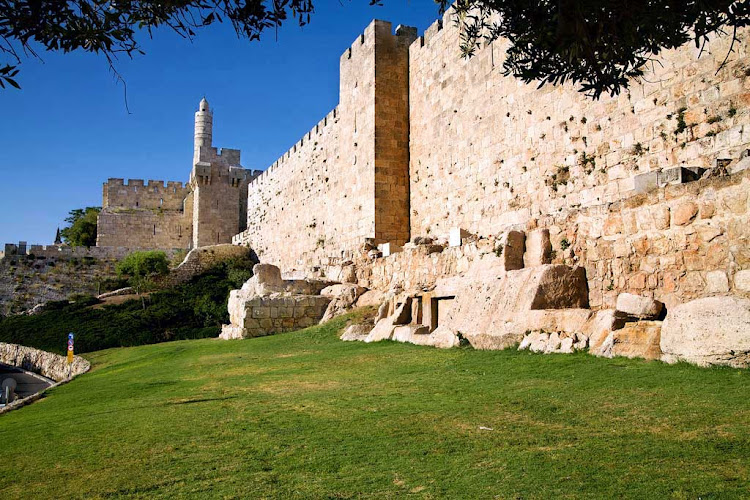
point(111, 27)
point(597, 44)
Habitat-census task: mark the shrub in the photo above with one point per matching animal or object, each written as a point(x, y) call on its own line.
point(140, 267)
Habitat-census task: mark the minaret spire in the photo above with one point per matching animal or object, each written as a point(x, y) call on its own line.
point(204, 124)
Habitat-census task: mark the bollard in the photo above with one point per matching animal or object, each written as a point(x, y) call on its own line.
point(9, 388)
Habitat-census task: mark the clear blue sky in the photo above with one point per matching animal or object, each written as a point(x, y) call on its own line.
point(68, 130)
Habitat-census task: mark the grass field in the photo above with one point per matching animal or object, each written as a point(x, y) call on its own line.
point(306, 415)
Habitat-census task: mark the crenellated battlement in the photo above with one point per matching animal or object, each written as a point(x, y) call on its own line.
point(307, 139)
point(140, 194)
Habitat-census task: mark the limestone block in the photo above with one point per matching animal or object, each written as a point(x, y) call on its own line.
point(708, 331)
point(514, 245)
point(717, 282)
point(600, 325)
point(638, 306)
point(442, 337)
point(742, 280)
point(684, 213)
point(349, 290)
point(566, 345)
point(383, 331)
point(538, 248)
point(267, 278)
point(639, 339)
point(561, 287)
point(370, 298)
point(407, 333)
point(646, 182)
point(356, 332)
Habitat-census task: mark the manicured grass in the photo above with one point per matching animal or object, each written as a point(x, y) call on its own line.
point(306, 415)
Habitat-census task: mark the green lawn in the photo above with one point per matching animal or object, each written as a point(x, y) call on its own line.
point(306, 415)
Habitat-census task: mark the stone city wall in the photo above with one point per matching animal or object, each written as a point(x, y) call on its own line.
point(674, 244)
point(346, 179)
point(135, 194)
point(488, 151)
point(144, 229)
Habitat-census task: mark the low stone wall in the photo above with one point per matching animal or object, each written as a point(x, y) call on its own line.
point(278, 314)
point(50, 365)
point(47, 364)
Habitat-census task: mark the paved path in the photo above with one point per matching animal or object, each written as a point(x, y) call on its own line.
point(28, 383)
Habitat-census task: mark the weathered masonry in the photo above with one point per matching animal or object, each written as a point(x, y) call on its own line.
point(208, 210)
point(646, 190)
point(346, 180)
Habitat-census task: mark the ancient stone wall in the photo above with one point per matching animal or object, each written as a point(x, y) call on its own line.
point(675, 244)
point(144, 228)
point(219, 196)
point(345, 180)
point(487, 151)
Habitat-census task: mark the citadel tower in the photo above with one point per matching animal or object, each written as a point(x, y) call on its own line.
point(209, 209)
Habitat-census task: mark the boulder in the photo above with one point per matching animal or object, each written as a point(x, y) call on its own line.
point(343, 299)
point(383, 330)
point(600, 325)
point(553, 344)
point(515, 302)
point(267, 278)
point(409, 333)
point(638, 306)
point(635, 340)
point(442, 337)
point(356, 332)
point(370, 298)
point(566, 345)
point(539, 342)
point(708, 331)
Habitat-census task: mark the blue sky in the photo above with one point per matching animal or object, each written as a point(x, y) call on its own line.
point(68, 129)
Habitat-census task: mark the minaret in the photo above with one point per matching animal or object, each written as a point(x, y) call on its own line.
point(204, 124)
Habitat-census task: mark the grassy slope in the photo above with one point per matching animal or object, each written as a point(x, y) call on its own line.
point(306, 415)
point(188, 311)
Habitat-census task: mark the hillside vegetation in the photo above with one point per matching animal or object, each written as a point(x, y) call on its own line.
point(305, 415)
point(193, 310)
